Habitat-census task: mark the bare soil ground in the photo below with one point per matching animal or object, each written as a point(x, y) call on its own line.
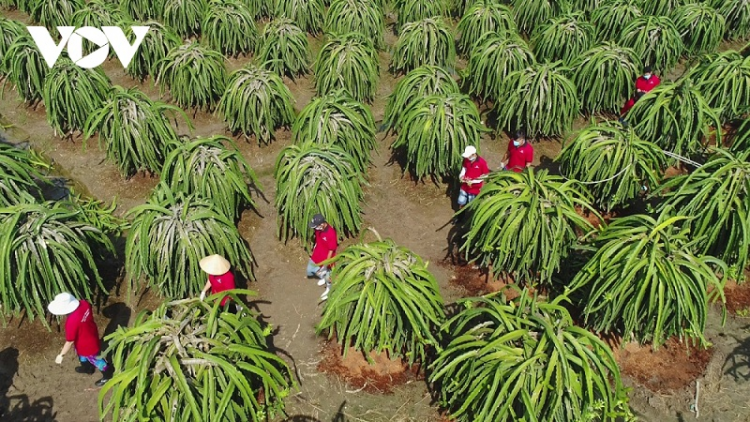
point(416, 215)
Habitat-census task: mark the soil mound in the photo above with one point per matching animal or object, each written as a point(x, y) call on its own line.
point(670, 368)
point(380, 375)
point(478, 283)
point(738, 298)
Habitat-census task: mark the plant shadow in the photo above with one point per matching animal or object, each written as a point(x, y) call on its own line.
point(119, 315)
point(254, 307)
point(340, 416)
point(19, 408)
point(399, 157)
point(738, 361)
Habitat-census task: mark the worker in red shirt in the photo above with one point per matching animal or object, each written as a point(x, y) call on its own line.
point(81, 332)
point(326, 243)
point(474, 167)
point(519, 155)
point(628, 105)
point(220, 277)
point(647, 82)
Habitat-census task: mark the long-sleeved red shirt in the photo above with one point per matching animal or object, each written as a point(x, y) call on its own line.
point(646, 85)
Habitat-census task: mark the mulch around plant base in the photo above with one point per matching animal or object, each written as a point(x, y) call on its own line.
point(592, 218)
point(672, 367)
point(380, 376)
point(738, 298)
point(673, 171)
point(478, 283)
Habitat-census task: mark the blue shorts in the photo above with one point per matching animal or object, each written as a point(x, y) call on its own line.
point(464, 198)
point(97, 361)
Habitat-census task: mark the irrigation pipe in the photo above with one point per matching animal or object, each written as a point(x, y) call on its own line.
point(619, 173)
point(681, 158)
point(665, 152)
point(697, 394)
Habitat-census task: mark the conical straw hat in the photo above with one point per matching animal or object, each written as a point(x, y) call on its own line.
point(214, 265)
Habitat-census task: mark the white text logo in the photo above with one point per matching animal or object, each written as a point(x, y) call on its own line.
point(104, 37)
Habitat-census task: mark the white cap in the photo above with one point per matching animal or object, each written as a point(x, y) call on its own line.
point(469, 151)
point(63, 304)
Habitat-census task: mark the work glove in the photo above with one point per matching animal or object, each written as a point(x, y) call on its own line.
point(58, 359)
point(203, 295)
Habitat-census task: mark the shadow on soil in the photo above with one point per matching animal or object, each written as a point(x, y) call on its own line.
point(254, 306)
point(111, 270)
point(119, 314)
point(738, 362)
point(340, 416)
point(18, 408)
point(399, 157)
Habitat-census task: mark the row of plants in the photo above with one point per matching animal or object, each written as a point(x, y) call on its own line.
point(609, 15)
point(192, 358)
point(645, 276)
point(692, 29)
point(47, 246)
point(356, 69)
point(137, 135)
point(188, 358)
point(676, 116)
point(324, 171)
point(366, 267)
point(311, 14)
point(434, 121)
point(490, 351)
point(560, 29)
point(283, 42)
point(488, 358)
point(192, 213)
point(252, 100)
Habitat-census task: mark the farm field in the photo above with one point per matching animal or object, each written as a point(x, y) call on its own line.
point(416, 215)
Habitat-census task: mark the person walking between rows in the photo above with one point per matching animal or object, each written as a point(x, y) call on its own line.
point(473, 168)
point(220, 276)
point(519, 155)
point(647, 81)
point(326, 243)
point(82, 333)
